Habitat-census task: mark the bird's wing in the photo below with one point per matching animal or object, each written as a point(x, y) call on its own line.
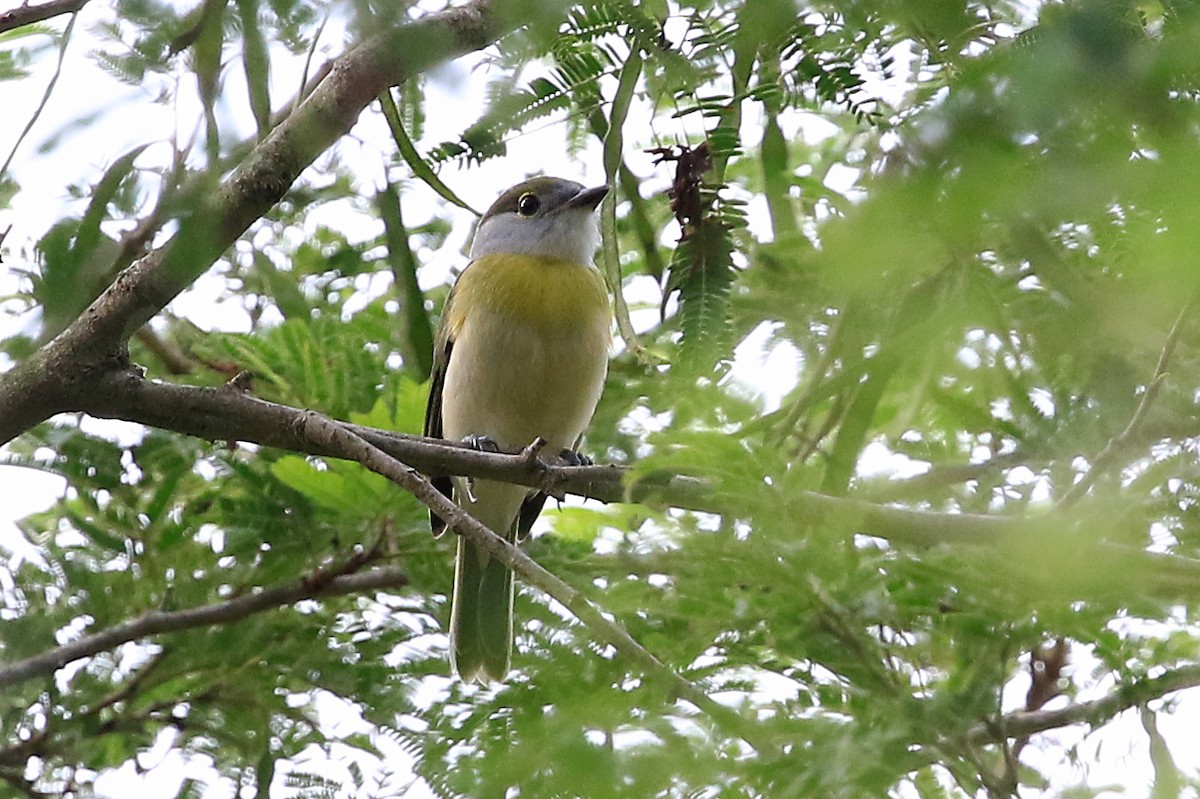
point(442, 347)
point(531, 508)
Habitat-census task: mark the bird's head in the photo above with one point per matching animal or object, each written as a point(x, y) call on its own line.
point(543, 217)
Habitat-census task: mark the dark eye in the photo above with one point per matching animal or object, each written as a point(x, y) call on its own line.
point(528, 205)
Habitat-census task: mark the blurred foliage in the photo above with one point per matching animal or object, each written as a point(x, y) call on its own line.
point(972, 232)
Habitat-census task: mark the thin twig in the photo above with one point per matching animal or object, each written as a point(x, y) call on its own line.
point(17, 755)
point(19, 783)
point(940, 476)
point(62, 53)
point(329, 434)
point(156, 622)
point(26, 14)
point(305, 87)
point(1023, 723)
point(132, 685)
point(1108, 456)
point(173, 359)
point(1046, 664)
point(806, 392)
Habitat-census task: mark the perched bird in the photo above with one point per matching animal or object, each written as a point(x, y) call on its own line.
point(522, 352)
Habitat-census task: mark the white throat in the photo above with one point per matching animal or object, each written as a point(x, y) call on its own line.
point(569, 235)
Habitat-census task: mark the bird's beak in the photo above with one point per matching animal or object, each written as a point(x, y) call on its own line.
point(588, 198)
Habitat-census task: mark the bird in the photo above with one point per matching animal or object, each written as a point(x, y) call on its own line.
point(521, 353)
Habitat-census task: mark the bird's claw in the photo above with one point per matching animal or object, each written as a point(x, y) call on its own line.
point(481, 443)
point(570, 457)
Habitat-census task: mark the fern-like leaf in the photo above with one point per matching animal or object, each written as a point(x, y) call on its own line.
point(702, 272)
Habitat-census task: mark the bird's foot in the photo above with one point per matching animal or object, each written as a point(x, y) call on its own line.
point(570, 457)
point(481, 443)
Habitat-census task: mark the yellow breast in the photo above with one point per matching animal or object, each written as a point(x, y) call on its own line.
point(541, 293)
point(531, 345)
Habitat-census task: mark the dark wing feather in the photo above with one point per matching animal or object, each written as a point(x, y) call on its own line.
point(433, 416)
point(533, 504)
point(530, 508)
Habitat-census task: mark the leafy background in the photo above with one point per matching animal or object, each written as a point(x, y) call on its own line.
point(971, 225)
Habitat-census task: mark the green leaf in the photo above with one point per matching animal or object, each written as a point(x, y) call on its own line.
point(255, 65)
point(701, 270)
point(411, 157)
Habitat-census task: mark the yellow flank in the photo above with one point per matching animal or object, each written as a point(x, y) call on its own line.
point(544, 293)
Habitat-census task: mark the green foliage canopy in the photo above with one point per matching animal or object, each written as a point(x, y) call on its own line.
point(1004, 296)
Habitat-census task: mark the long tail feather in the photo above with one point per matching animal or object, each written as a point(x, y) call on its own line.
point(481, 625)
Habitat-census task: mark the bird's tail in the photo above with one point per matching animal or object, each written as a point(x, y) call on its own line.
point(481, 616)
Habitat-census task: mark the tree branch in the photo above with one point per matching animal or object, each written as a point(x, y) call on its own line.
point(1023, 723)
point(26, 14)
point(214, 216)
point(1108, 456)
point(226, 414)
point(346, 443)
point(156, 622)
